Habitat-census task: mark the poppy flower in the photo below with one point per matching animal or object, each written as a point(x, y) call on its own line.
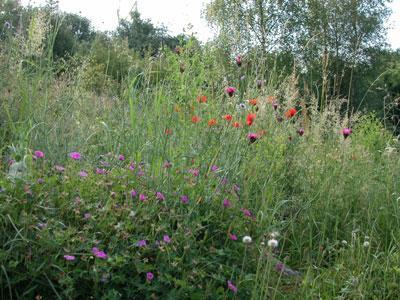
point(290, 113)
point(230, 91)
point(238, 60)
point(196, 119)
point(202, 99)
point(236, 125)
point(346, 132)
point(253, 102)
point(250, 119)
point(212, 122)
point(228, 117)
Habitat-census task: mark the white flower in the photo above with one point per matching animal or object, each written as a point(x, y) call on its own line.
point(272, 243)
point(344, 243)
point(274, 234)
point(247, 239)
point(366, 244)
point(262, 244)
point(132, 214)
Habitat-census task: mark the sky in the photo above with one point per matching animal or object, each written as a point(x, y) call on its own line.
point(176, 15)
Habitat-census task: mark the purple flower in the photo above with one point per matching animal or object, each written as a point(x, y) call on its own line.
point(233, 237)
point(246, 212)
point(83, 174)
point(141, 243)
point(184, 199)
point(160, 196)
point(227, 203)
point(75, 155)
point(42, 225)
point(142, 197)
point(38, 154)
point(252, 137)
point(232, 287)
point(40, 181)
point(140, 173)
point(149, 276)
point(346, 132)
point(166, 239)
point(98, 253)
point(69, 257)
point(121, 158)
point(59, 168)
point(100, 171)
point(133, 193)
point(87, 216)
point(167, 165)
point(279, 267)
point(132, 166)
point(214, 168)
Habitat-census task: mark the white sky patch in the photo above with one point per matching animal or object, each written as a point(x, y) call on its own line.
point(176, 15)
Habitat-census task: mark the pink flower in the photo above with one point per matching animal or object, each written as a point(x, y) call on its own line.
point(232, 287)
point(346, 132)
point(227, 203)
point(194, 172)
point(239, 60)
point(98, 253)
point(246, 212)
point(69, 257)
point(214, 168)
point(132, 167)
point(39, 154)
point(233, 237)
point(83, 174)
point(141, 243)
point(185, 199)
point(166, 239)
point(167, 165)
point(100, 171)
point(230, 91)
point(75, 155)
point(160, 196)
point(121, 158)
point(252, 137)
point(59, 168)
point(142, 197)
point(149, 276)
point(133, 193)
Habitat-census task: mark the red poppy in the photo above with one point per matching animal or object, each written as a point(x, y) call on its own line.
point(228, 117)
point(250, 119)
point(253, 102)
point(202, 99)
point(196, 119)
point(291, 113)
point(236, 125)
point(212, 122)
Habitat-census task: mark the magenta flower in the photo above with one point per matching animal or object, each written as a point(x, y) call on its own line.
point(75, 155)
point(133, 193)
point(230, 91)
point(141, 243)
point(252, 137)
point(227, 203)
point(149, 276)
point(232, 287)
point(38, 154)
point(166, 239)
point(346, 132)
point(69, 257)
point(185, 199)
point(98, 253)
point(214, 168)
point(160, 196)
point(239, 60)
point(246, 212)
point(121, 158)
point(233, 237)
point(83, 174)
point(142, 197)
point(100, 171)
point(194, 172)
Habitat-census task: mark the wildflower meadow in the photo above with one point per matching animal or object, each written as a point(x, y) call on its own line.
point(199, 174)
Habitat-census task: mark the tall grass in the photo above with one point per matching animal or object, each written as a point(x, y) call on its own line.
point(334, 201)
